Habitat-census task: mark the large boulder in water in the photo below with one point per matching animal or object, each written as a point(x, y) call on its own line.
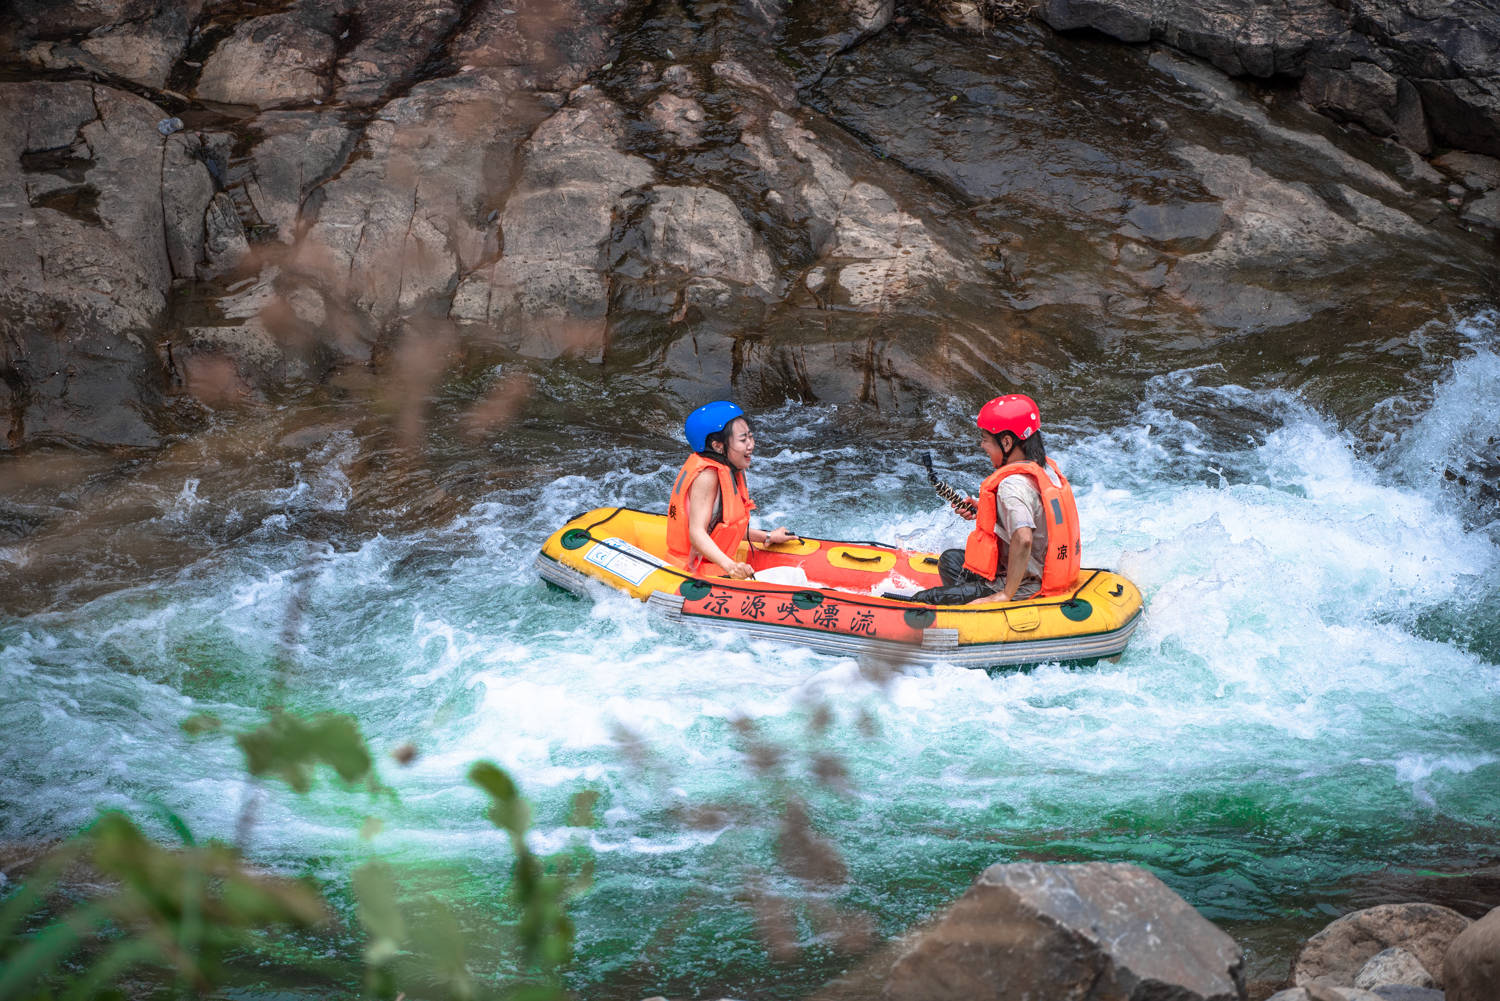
point(1095, 931)
point(1336, 955)
point(1471, 967)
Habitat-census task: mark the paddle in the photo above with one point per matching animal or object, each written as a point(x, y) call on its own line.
point(946, 491)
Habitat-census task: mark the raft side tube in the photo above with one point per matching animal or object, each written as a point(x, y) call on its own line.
point(621, 548)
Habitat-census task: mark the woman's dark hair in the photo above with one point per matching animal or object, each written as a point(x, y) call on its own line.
point(719, 437)
point(1031, 446)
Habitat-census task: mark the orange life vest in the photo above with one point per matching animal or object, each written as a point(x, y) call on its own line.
point(734, 498)
point(1061, 561)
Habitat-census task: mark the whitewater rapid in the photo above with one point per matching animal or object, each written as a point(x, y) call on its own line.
point(1313, 693)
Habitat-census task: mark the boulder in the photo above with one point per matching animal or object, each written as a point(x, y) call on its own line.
point(700, 233)
point(1483, 211)
point(1401, 68)
point(873, 250)
point(1471, 968)
point(224, 241)
point(1335, 955)
point(406, 215)
point(139, 40)
point(392, 39)
point(547, 293)
point(1324, 992)
point(84, 260)
point(293, 153)
point(1478, 173)
point(186, 191)
point(1091, 931)
point(1393, 966)
point(273, 61)
point(1385, 104)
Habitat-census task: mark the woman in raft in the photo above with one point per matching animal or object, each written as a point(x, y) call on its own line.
point(1025, 537)
point(708, 515)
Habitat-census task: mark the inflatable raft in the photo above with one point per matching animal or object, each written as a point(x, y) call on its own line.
point(841, 610)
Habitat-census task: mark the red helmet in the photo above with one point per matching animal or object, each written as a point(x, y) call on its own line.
point(1014, 413)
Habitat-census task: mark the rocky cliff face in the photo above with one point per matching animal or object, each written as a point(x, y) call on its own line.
point(215, 200)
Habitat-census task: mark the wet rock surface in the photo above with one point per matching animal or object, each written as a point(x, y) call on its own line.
point(85, 272)
point(1090, 930)
point(1401, 68)
point(841, 203)
point(1337, 955)
point(1471, 966)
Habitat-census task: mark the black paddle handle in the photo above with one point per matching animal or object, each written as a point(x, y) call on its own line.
point(945, 490)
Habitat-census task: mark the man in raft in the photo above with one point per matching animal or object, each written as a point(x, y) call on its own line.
point(708, 515)
point(1025, 537)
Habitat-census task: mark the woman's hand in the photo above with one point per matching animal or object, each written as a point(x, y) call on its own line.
point(739, 571)
point(777, 536)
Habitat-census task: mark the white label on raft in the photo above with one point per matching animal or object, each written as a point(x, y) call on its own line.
point(622, 559)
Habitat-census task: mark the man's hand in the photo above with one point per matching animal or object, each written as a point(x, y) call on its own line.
point(777, 536)
point(966, 508)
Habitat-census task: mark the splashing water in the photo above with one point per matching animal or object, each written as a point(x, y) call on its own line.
point(1312, 695)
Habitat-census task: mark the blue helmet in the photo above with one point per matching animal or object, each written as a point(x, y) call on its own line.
point(706, 420)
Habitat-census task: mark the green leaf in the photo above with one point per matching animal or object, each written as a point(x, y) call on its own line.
point(290, 747)
point(201, 723)
point(377, 910)
point(508, 811)
point(176, 823)
point(439, 939)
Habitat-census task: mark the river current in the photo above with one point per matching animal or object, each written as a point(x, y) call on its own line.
point(1313, 696)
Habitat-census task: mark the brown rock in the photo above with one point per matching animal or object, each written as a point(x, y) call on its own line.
point(1322, 992)
point(135, 39)
point(1389, 64)
point(395, 37)
point(1393, 966)
point(1471, 969)
point(296, 152)
point(186, 190)
point(1335, 955)
point(84, 268)
point(272, 61)
point(1477, 172)
point(1095, 931)
point(548, 294)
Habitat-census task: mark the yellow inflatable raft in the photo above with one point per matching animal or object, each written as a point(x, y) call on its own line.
point(841, 610)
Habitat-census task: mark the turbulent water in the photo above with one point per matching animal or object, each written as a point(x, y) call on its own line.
point(1313, 696)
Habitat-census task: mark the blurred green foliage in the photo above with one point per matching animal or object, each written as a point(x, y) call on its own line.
point(176, 908)
point(289, 747)
point(112, 904)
